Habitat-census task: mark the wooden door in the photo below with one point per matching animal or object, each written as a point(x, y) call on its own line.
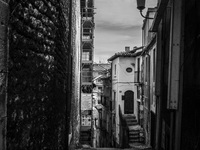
point(128, 102)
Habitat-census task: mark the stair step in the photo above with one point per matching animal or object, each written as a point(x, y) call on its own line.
point(84, 136)
point(134, 131)
point(130, 118)
point(84, 139)
point(134, 140)
point(134, 136)
point(130, 123)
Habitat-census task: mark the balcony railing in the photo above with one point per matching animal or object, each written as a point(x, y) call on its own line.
point(87, 38)
point(86, 79)
point(86, 73)
point(124, 131)
point(86, 76)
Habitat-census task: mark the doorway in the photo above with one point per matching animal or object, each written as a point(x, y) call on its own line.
point(129, 102)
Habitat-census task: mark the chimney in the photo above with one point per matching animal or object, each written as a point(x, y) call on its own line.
point(127, 49)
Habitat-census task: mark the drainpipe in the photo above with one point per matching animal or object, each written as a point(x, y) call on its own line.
point(149, 102)
point(176, 74)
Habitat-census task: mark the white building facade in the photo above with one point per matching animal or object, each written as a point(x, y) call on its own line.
point(124, 91)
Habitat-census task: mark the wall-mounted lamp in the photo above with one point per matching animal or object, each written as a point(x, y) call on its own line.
point(141, 6)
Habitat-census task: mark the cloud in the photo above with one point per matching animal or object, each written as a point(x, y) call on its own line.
point(117, 24)
point(110, 26)
point(117, 11)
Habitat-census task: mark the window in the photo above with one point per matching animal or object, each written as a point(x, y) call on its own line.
point(138, 92)
point(115, 69)
point(154, 64)
point(86, 56)
point(129, 70)
point(100, 88)
point(87, 31)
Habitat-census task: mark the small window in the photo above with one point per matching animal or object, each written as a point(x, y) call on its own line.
point(100, 88)
point(129, 70)
point(115, 69)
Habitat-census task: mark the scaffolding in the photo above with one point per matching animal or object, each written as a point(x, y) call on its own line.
point(87, 12)
point(87, 15)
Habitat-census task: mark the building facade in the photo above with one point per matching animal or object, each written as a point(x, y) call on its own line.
point(87, 22)
point(38, 74)
point(101, 98)
point(171, 57)
point(148, 80)
point(124, 97)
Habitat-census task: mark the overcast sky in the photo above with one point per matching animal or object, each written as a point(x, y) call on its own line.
point(117, 24)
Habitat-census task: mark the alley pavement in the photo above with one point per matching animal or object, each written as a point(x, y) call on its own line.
point(114, 149)
point(133, 147)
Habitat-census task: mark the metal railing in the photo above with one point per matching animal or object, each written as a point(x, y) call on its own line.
point(124, 131)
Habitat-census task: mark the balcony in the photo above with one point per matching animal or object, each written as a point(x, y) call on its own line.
point(86, 76)
point(87, 38)
point(88, 12)
point(86, 57)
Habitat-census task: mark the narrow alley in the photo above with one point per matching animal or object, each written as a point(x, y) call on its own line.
point(99, 75)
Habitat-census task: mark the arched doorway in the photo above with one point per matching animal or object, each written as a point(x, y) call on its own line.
point(128, 102)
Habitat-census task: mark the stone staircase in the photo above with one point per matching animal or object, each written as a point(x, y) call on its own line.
point(134, 129)
point(85, 138)
point(85, 135)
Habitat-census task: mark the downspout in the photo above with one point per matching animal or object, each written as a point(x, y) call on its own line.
point(175, 74)
point(158, 88)
point(178, 121)
point(149, 100)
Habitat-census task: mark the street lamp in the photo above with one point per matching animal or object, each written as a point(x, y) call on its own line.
point(141, 6)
